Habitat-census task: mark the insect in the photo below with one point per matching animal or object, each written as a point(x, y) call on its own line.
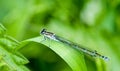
point(54, 37)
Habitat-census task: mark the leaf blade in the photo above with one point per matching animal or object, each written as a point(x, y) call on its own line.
point(72, 57)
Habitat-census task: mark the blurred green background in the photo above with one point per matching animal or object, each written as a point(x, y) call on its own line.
point(91, 23)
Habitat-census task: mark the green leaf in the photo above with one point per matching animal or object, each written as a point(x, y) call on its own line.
point(10, 60)
point(2, 29)
point(71, 56)
point(7, 61)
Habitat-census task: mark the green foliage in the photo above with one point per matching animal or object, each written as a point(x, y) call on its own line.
point(10, 59)
point(93, 24)
point(75, 60)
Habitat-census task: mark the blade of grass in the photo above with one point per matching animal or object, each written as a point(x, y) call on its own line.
point(72, 57)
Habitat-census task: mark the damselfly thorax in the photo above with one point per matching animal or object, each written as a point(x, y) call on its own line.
point(49, 35)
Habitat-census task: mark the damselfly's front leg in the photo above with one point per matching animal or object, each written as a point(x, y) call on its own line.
point(43, 39)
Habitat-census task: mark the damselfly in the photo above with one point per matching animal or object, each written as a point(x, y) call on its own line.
point(54, 37)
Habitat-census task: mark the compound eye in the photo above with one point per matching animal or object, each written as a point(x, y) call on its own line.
point(43, 31)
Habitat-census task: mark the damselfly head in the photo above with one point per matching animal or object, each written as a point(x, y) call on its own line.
point(43, 31)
